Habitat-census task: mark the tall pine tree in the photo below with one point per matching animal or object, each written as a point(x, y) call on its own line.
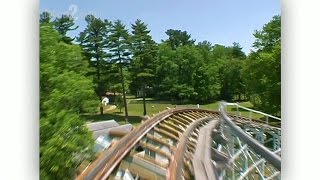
point(45, 17)
point(119, 44)
point(144, 52)
point(94, 42)
point(64, 24)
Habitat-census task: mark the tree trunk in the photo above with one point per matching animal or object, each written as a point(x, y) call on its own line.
point(144, 99)
point(99, 83)
point(101, 106)
point(124, 94)
point(100, 90)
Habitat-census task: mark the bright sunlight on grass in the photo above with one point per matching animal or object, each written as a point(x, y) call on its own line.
point(135, 110)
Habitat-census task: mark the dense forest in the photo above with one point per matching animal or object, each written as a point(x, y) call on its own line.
point(76, 72)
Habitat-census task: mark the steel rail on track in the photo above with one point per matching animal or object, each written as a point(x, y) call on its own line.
point(274, 159)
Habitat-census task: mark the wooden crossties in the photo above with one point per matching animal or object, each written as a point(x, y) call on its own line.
point(164, 130)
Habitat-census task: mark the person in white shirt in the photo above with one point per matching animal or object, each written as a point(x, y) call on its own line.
point(105, 101)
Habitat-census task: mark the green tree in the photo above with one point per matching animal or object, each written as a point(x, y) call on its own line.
point(57, 57)
point(45, 17)
point(178, 38)
point(262, 70)
point(113, 78)
point(237, 52)
point(166, 74)
point(270, 35)
point(119, 102)
point(65, 93)
point(119, 46)
point(94, 42)
point(205, 49)
point(231, 79)
point(64, 24)
point(187, 73)
point(144, 53)
point(64, 143)
point(206, 78)
point(231, 64)
point(188, 60)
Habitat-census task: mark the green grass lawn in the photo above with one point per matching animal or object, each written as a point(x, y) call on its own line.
point(135, 110)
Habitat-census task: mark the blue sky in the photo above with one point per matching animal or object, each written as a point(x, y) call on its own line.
point(218, 21)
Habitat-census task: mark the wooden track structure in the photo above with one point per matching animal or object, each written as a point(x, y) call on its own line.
point(176, 136)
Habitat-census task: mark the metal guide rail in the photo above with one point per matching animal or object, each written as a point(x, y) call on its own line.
point(249, 158)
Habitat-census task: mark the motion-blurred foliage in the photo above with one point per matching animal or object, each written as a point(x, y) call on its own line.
point(65, 93)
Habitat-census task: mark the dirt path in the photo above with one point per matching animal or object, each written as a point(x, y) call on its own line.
point(111, 108)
